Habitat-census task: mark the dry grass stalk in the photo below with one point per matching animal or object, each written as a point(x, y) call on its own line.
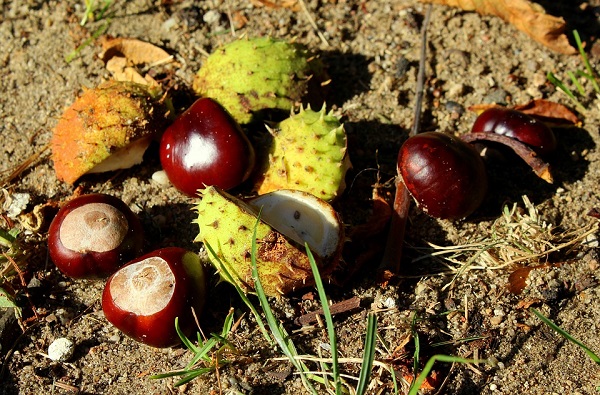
point(519, 236)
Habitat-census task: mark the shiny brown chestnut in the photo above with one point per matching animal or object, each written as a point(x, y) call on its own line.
point(445, 175)
point(519, 126)
point(143, 298)
point(93, 235)
point(206, 146)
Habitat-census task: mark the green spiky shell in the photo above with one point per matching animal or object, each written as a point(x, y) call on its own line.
point(109, 119)
point(227, 225)
point(308, 153)
point(251, 75)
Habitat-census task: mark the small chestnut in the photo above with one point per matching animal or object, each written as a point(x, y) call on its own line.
point(206, 146)
point(93, 235)
point(519, 126)
point(445, 175)
point(143, 298)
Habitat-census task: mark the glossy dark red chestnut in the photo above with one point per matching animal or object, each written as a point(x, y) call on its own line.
point(143, 298)
point(445, 175)
point(206, 146)
point(93, 235)
point(517, 125)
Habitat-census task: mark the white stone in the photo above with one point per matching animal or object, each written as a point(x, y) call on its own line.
point(61, 349)
point(160, 177)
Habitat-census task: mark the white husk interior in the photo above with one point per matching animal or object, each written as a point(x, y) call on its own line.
point(125, 157)
point(303, 218)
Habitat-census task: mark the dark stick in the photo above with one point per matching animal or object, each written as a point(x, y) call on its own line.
point(390, 263)
point(336, 308)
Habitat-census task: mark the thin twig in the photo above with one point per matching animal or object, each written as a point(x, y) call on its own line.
point(390, 263)
point(336, 308)
point(313, 23)
point(421, 75)
point(32, 159)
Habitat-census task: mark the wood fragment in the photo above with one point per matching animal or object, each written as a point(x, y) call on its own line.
point(336, 308)
point(539, 167)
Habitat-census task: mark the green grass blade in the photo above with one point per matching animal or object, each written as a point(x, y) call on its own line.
point(169, 374)
point(277, 330)
point(186, 342)
point(75, 53)
point(102, 12)
point(562, 87)
point(7, 238)
point(89, 4)
point(328, 320)
point(227, 324)
point(415, 335)
point(225, 273)
point(193, 374)
point(202, 353)
point(586, 61)
point(368, 356)
point(576, 81)
point(559, 84)
point(566, 335)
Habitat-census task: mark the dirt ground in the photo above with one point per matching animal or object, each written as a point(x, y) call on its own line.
point(372, 50)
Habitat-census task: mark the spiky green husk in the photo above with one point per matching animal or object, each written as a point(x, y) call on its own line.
point(251, 75)
point(308, 153)
point(116, 117)
point(227, 225)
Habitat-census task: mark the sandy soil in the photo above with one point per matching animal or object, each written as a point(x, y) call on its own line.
point(372, 52)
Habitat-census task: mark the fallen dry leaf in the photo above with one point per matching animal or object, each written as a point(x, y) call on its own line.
point(137, 52)
point(294, 5)
point(121, 72)
point(517, 280)
point(526, 16)
point(123, 55)
point(550, 112)
point(527, 303)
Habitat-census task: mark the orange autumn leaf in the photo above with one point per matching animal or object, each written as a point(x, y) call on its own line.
point(291, 4)
point(526, 16)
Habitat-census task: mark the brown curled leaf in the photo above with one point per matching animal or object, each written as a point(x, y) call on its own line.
point(123, 56)
point(136, 52)
point(530, 18)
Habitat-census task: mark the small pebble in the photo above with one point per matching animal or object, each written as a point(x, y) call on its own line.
point(454, 107)
point(496, 96)
point(16, 204)
point(211, 17)
point(390, 303)
point(61, 349)
point(160, 177)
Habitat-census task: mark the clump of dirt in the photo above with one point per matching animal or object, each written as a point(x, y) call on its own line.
point(372, 51)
